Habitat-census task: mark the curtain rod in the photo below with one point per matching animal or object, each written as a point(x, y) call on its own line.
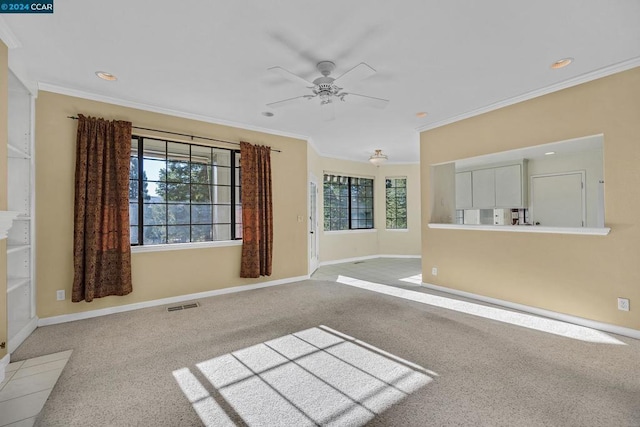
point(184, 134)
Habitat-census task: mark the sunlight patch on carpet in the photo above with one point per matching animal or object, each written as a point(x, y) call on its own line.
point(543, 324)
point(317, 376)
point(416, 280)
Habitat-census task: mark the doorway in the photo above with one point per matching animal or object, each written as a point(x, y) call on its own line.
point(558, 200)
point(313, 224)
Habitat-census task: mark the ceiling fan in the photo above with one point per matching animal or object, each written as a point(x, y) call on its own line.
point(329, 89)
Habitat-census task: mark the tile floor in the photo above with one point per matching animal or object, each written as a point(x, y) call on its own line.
point(26, 387)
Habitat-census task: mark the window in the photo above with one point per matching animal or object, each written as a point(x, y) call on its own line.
point(348, 203)
point(396, 203)
point(185, 193)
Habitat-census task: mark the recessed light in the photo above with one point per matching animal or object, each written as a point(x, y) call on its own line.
point(421, 114)
point(549, 153)
point(267, 113)
point(561, 63)
point(106, 76)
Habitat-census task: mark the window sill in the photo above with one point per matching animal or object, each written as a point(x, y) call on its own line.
point(527, 229)
point(397, 230)
point(364, 230)
point(182, 246)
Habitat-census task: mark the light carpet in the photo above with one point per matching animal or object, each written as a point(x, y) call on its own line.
point(129, 368)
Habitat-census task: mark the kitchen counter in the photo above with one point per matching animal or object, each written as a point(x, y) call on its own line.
point(525, 229)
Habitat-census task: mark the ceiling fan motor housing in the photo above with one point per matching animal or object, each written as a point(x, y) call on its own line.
point(324, 86)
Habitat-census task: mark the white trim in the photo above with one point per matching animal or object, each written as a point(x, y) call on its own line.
point(353, 231)
point(182, 246)
point(606, 327)
point(400, 256)
point(397, 230)
point(163, 301)
point(313, 229)
point(584, 78)
point(32, 204)
point(314, 147)
point(365, 258)
point(4, 362)
point(22, 75)
point(24, 333)
point(345, 260)
point(7, 36)
point(589, 231)
point(161, 110)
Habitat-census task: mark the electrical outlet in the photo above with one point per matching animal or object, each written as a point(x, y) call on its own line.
point(434, 271)
point(623, 304)
point(60, 295)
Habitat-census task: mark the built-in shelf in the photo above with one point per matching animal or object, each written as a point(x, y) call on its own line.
point(526, 229)
point(6, 221)
point(16, 153)
point(20, 301)
point(17, 248)
point(13, 284)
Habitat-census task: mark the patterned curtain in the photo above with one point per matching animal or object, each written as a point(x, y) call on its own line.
point(257, 213)
point(101, 247)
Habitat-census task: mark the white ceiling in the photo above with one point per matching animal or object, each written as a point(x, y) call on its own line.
point(210, 59)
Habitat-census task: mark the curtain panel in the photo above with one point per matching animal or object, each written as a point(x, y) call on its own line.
point(102, 251)
point(257, 212)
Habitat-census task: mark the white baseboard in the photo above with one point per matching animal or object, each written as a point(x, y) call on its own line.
point(344, 260)
point(171, 300)
point(364, 258)
point(401, 256)
point(19, 338)
point(601, 326)
point(4, 362)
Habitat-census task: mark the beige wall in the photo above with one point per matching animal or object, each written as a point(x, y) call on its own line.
point(394, 242)
point(157, 274)
point(4, 96)
point(577, 275)
point(353, 244)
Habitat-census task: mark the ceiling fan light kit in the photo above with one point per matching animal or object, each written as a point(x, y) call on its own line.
point(327, 88)
point(378, 158)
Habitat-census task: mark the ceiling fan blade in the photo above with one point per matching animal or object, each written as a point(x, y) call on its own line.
point(290, 76)
point(328, 111)
point(357, 73)
point(368, 100)
point(289, 101)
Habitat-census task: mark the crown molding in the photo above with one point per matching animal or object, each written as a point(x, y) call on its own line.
point(48, 87)
point(583, 78)
point(7, 36)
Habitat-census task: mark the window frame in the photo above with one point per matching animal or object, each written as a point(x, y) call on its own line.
point(395, 196)
point(234, 222)
point(349, 208)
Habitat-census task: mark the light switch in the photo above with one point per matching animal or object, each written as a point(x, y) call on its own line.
point(299, 218)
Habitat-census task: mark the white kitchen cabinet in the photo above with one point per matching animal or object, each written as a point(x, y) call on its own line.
point(464, 196)
point(508, 181)
point(484, 189)
point(503, 186)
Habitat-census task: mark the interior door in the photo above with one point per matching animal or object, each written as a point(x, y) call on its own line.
point(558, 200)
point(313, 225)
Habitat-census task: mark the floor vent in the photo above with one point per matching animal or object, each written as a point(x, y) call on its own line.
point(183, 307)
point(359, 262)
